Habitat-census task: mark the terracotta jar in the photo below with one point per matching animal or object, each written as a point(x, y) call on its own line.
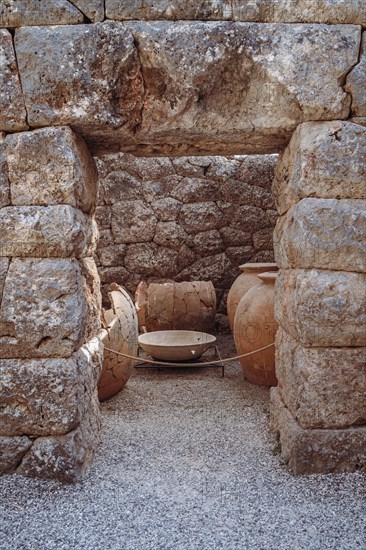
point(176, 306)
point(120, 333)
point(255, 327)
point(246, 280)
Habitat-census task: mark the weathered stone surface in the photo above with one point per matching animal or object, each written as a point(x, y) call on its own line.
point(120, 186)
point(12, 108)
point(93, 9)
point(48, 396)
point(325, 160)
point(103, 217)
point(167, 210)
point(64, 457)
point(249, 218)
point(133, 221)
point(322, 308)
point(282, 11)
point(217, 268)
point(322, 387)
point(114, 274)
point(235, 191)
point(235, 237)
point(41, 232)
point(199, 217)
point(46, 308)
point(91, 290)
point(20, 13)
point(151, 259)
point(112, 255)
point(99, 85)
point(192, 190)
point(51, 166)
point(207, 243)
point(324, 234)
point(239, 254)
point(263, 239)
point(356, 83)
point(4, 180)
point(257, 170)
point(170, 234)
point(4, 265)
point(12, 450)
point(309, 451)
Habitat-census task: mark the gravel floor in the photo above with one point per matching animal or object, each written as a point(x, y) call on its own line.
point(186, 462)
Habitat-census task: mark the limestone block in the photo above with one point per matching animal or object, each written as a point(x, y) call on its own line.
point(249, 218)
point(191, 190)
point(112, 255)
point(93, 9)
point(239, 192)
point(202, 216)
point(51, 166)
point(322, 387)
point(170, 234)
point(119, 186)
point(64, 457)
point(324, 234)
point(118, 274)
point(167, 210)
point(217, 268)
point(133, 222)
point(235, 237)
point(49, 308)
point(48, 396)
point(164, 9)
point(263, 239)
point(12, 108)
point(325, 160)
point(41, 232)
point(315, 451)
point(322, 308)
point(18, 13)
point(4, 180)
point(12, 450)
point(4, 265)
point(91, 290)
point(151, 259)
point(257, 170)
point(103, 216)
point(356, 83)
point(239, 254)
point(263, 256)
point(208, 242)
point(99, 85)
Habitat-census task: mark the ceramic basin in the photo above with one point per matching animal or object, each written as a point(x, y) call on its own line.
point(176, 345)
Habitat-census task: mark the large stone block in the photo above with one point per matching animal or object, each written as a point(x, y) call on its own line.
point(165, 9)
point(356, 83)
point(149, 259)
point(4, 266)
point(100, 84)
point(21, 13)
point(315, 451)
point(48, 396)
point(322, 308)
point(322, 387)
point(51, 166)
point(12, 450)
point(217, 268)
point(133, 222)
point(13, 116)
point(4, 180)
point(324, 234)
point(325, 160)
point(48, 308)
point(64, 457)
point(41, 232)
point(93, 9)
point(201, 216)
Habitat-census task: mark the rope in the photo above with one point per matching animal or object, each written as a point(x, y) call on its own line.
point(192, 364)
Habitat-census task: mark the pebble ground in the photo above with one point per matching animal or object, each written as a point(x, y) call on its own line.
point(186, 462)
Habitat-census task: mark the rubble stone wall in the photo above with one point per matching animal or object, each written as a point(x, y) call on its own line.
point(183, 219)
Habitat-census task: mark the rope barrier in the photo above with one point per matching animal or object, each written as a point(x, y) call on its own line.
point(192, 364)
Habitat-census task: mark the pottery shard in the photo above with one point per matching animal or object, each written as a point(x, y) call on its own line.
point(12, 108)
point(149, 259)
point(324, 234)
point(247, 85)
point(325, 160)
point(93, 9)
point(64, 457)
point(48, 396)
point(41, 232)
point(18, 13)
point(356, 83)
point(322, 308)
point(4, 180)
point(49, 308)
point(133, 222)
point(12, 450)
point(322, 387)
point(84, 75)
point(319, 451)
point(51, 166)
point(202, 216)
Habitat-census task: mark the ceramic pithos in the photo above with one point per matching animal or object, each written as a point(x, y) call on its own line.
point(177, 306)
point(246, 280)
point(255, 327)
point(120, 333)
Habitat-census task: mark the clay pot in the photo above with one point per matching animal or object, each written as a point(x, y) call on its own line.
point(255, 327)
point(120, 333)
point(246, 280)
point(176, 306)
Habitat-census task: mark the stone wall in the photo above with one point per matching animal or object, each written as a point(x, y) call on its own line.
point(183, 219)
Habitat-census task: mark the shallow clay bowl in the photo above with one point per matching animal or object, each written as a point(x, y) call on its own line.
point(176, 345)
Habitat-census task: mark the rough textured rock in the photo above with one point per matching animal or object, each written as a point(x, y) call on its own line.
point(41, 232)
point(204, 216)
point(324, 234)
point(46, 309)
point(325, 160)
point(99, 85)
point(64, 457)
point(322, 308)
point(170, 234)
point(12, 109)
point(20, 13)
point(4, 265)
point(165, 9)
point(322, 387)
point(93, 9)
point(12, 450)
point(151, 259)
point(133, 221)
point(51, 166)
point(48, 396)
point(4, 180)
point(356, 83)
point(309, 451)
point(167, 210)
